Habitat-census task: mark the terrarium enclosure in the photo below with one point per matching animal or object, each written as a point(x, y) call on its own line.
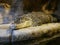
point(29, 22)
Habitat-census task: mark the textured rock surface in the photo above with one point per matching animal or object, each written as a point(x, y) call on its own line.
point(49, 30)
point(45, 31)
point(4, 35)
point(32, 35)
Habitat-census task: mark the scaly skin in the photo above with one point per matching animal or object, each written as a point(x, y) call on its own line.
point(34, 19)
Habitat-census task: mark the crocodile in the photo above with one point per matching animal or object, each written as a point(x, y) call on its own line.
point(34, 19)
